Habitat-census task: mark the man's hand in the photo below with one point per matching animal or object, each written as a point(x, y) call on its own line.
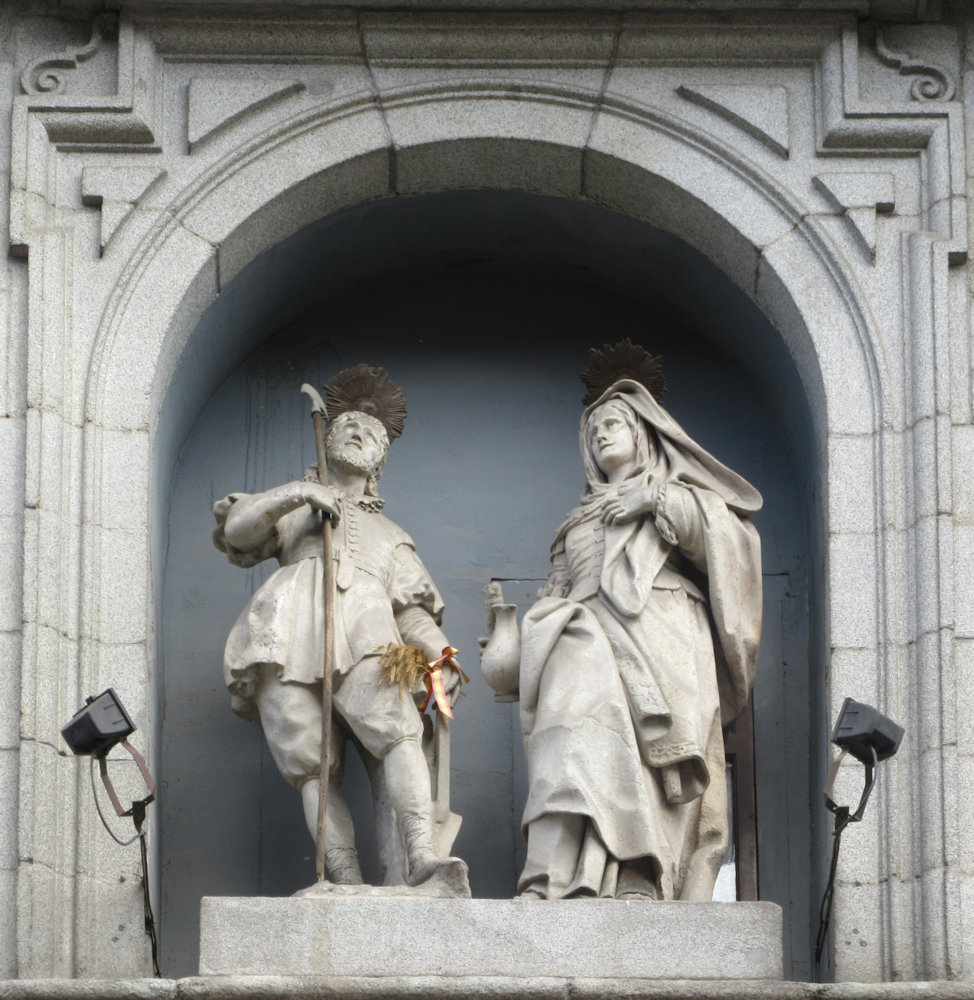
point(633, 503)
point(323, 498)
point(451, 681)
point(451, 684)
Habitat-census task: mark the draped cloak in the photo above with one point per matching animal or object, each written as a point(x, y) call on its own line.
point(643, 644)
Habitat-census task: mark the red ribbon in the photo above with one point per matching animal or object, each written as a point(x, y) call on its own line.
point(434, 680)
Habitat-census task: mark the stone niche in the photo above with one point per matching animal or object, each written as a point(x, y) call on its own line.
point(482, 305)
point(214, 209)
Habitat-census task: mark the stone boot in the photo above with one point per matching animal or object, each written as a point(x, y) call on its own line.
point(449, 875)
point(408, 786)
point(343, 867)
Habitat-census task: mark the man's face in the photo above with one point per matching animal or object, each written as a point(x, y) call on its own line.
point(357, 441)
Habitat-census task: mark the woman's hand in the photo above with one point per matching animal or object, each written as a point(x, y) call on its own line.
point(629, 504)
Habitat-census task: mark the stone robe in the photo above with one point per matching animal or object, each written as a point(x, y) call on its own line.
point(643, 643)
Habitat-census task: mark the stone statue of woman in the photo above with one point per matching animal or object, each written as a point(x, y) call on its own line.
point(642, 645)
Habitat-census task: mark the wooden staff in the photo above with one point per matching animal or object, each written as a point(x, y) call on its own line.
point(327, 655)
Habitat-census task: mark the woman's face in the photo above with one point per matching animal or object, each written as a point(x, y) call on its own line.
point(612, 441)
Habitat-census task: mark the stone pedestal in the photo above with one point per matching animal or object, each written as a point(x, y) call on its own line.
point(590, 939)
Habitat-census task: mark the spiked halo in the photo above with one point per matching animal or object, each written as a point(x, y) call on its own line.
point(612, 362)
point(367, 390)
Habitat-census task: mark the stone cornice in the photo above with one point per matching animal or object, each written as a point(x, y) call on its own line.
point(903, 11)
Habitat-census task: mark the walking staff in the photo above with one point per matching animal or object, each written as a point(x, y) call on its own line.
point(327, 654)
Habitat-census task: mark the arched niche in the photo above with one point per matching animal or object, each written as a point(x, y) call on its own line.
point(154, 368)
point(482, 306)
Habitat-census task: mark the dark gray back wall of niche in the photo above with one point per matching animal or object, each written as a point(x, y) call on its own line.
point(482, 306)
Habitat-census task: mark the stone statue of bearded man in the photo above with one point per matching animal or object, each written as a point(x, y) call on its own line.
point(384, 598)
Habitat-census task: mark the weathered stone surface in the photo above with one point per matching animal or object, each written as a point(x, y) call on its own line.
point(462, 987)
point(488, 937)
point(880, 345)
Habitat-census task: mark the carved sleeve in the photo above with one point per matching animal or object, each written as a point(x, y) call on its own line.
point(678, 521)
point(265, 548)
point(416, 603)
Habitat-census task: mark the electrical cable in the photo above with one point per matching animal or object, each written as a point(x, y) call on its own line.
point(825, 911)
point(101, 815)
point(843, 817)
point(137, 812)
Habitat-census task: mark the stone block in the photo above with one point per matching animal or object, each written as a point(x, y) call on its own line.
point(483, 142)
point(9, 778)
point(854, 581)
point(484, 44)
point(55, 578)
point(962, 468)
point(932, 593)
point(115, 945)
point(857, 933)
point(8, 925)
point(503, 162)
point(852, 480)
point(963, 696)
point(792, 279)
point(963, 581)
point(966, 893)
point(10, 664)
point(351, 936)
point(852, 674)
point(585, 82)
point(39, 784)
point(292, 185)
point(169, 295)
point(11, 572)
point(36, 941)
point(12, 458)
point(124, 463)
point(123, 582)
point(43, 686)
point(674, 186)
point(924, 448)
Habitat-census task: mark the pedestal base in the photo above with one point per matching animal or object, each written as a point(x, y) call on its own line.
point(584, 938)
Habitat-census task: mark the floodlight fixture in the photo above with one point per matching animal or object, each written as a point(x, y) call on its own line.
point(870, 737)
point(866, 733)
point(99, 725)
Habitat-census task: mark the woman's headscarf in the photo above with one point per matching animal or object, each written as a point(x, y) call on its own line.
point(685, 461)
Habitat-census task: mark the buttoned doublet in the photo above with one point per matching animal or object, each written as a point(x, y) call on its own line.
point(383, 595)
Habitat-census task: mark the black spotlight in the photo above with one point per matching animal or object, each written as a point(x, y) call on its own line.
point(870, 737)
point(866, 733)
point(100, 724)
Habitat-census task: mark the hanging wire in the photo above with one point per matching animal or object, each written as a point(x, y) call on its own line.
point(137, 812)
point(825, 911)
point(843, 817)
point(101, 815)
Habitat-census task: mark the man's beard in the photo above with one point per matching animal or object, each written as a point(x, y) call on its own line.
point(351, 457)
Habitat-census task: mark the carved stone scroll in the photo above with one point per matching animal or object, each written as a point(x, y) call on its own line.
point(42, 76)
point(932, 83)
